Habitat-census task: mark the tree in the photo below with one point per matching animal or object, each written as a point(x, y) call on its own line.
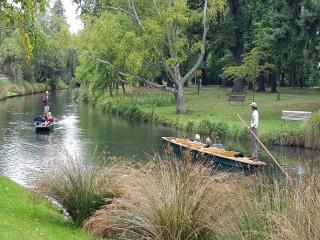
point(58, 9)
point(53, 58)
point(158, 41)
point(251, 68)
point(20, 14)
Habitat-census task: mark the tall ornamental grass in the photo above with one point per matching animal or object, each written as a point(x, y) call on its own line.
point(80, 189)
point(281, 210)
point(312, 131)
point(165, 201)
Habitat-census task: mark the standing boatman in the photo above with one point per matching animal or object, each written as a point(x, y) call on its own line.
point(254, 129)
point(46, 103)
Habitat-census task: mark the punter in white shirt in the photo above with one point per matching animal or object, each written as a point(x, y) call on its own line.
point(254, 129)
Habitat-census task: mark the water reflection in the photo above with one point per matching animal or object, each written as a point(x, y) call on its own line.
point(80, 133)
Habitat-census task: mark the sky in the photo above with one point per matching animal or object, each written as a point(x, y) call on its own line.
point(72, 16)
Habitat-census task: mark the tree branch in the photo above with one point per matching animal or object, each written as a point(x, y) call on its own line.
point(132, 6)
point(204, 39)
point(93, 57)
point(123, 75)
point(149, 83)
point(120, 9)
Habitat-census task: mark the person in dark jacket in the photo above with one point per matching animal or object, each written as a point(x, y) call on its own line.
point(217, 143)
point(39, 119)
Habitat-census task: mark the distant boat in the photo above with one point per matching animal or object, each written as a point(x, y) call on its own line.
point(44, 128)
point(221, 158)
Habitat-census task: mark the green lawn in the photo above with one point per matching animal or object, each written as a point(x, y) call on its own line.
point(24, 216)
point(212, 104)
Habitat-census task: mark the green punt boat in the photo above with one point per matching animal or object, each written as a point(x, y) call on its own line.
point(220, 158)
point(44, 128)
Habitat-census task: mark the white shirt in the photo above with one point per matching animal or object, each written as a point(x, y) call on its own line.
point(255, 119)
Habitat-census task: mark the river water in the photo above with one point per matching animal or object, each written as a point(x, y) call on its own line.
point(86, 134)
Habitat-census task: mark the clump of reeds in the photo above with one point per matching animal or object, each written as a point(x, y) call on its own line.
point(282, 209)
point(300, 218)
point(166, 201)
point(79, 188)
point(312, 132)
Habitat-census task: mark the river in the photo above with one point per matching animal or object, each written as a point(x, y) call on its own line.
point(85, 134)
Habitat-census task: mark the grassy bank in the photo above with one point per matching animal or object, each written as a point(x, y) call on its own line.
point(211, 114)
point(25, 216)
point(9, 89)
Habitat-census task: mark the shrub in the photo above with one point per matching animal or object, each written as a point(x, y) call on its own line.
point(312, 132)
point(80, 189)
point(165, 200)
point(212, 128)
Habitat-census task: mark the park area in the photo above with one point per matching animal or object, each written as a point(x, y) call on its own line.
point(209, 112)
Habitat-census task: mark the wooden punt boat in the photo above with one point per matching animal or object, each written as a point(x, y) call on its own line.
point(220, 158)
point(44, 128)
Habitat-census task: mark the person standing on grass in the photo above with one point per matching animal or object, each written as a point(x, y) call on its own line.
point(254, 129)
point(46, 103)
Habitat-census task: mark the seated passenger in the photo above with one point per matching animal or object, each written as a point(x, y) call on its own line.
point(39, 119)
point(208, 143)
point(196, 139)
point(49, 119)
point(217, 143)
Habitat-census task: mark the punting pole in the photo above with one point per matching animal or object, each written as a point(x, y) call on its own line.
point(264, 147)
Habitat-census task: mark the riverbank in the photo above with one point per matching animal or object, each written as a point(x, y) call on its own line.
point(24, 215)
point(178, 200)
point(9, 89)
point(210, 113)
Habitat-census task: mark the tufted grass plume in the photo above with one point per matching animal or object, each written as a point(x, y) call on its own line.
point(79, 188)
point(312, 132)
point(166, 201)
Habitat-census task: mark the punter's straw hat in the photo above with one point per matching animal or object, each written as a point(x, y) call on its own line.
point(47, 92)
point(254, 104)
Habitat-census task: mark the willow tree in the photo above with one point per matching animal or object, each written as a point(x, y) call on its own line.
point(20, 14)
point(159, 41)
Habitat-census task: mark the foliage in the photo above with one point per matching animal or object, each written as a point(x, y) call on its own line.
point(137, 106)
point(251, 67)
point(51, 58)
point(78, 188)
point(280, 30)
point(20, 15)
point(312, 131)
point(141, 41)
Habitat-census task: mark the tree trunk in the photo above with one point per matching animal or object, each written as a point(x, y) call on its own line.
point(273, 82)
point(238, 85)
point(261, 83)
point(179, 95)
point(282, 79)
point(110, 90)
point(237, 49)
point(123, 88)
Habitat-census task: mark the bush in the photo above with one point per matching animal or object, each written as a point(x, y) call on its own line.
point(80, 189)
point(165, 200)
point(312, 132)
